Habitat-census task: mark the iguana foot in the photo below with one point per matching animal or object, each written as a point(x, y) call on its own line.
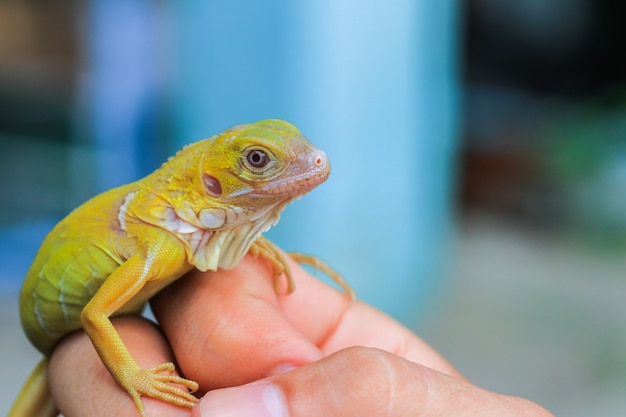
point(157, 383)
point(318, 265)
point(267, 250)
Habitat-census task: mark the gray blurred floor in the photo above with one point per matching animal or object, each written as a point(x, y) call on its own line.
point(526, 314)
point(543, 317)
point(17, 356)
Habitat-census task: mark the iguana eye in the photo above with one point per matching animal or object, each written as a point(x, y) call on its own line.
point(257, 158)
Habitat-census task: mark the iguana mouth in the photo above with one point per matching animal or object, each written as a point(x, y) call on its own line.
point(312, 170)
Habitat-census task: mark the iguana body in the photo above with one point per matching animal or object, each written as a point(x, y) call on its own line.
point(206, 207)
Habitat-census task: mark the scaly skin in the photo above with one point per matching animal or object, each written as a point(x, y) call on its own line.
point(206, 207)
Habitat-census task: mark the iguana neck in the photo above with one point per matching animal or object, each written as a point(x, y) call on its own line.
point(207, 249)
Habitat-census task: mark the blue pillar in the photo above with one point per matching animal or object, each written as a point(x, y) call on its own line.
point(230, 64)
point(372, 83)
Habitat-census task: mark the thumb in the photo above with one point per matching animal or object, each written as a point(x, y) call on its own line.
point(361, 382)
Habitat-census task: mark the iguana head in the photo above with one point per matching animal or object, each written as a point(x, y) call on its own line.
point(223, 192)
point(261, 164)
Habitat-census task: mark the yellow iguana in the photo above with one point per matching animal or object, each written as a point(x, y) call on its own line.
point(206, 207)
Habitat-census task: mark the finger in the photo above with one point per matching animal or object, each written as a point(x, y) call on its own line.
point(230, 327)
point(362, 382)
point(82, 386)
point(227, 328)
point(335, 323)
point(363, 325)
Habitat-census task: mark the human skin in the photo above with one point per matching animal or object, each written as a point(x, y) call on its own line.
point(309, 353)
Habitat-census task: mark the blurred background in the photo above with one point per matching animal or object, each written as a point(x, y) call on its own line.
point(478, 191)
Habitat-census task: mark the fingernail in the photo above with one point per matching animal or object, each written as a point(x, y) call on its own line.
point(255, 400)
point(281, 369)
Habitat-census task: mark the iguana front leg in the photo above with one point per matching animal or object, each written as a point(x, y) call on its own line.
point(117, 291)
point(267, 250)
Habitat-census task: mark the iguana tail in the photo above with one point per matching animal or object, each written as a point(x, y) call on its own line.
point(35, 400)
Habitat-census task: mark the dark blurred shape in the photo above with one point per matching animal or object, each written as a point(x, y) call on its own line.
point(38, 64)
point(569, 48)
point(510, 191)
point(545, 106)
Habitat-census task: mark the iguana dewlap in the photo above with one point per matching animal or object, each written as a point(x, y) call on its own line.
point(206, 207)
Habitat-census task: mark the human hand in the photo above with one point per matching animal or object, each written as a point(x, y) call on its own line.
point(296, 353)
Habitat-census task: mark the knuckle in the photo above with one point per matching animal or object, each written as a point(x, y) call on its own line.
point(377, 383)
